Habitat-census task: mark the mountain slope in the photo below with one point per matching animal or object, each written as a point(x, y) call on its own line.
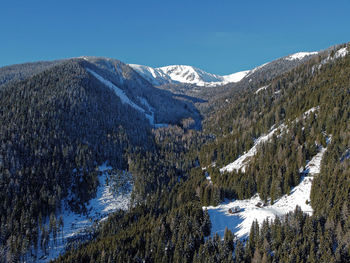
point(58, 126)
point(173, 224)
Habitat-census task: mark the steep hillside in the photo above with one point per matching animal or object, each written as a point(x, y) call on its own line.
point(58, 126)
point(89, 136)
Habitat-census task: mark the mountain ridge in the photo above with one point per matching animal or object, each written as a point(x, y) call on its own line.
point(187, 74)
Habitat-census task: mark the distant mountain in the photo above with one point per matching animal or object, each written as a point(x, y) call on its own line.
point(183, 74)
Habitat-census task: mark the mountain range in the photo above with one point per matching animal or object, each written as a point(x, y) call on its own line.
point(191, 75)
point(103, 161)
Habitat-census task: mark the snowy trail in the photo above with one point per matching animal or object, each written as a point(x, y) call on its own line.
point(241, 222)
point(125, 99)
point(76, 225)
point(242, 161)
point(119, 92)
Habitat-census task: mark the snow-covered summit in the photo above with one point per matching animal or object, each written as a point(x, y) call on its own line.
point(185, 74)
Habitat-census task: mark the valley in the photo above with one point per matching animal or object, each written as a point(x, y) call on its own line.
point(103, 161)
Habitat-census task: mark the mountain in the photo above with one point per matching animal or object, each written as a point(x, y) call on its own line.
point(176, 74)
point(60, 123)
point(269, 178)
point(185, 74)
point(99, 164)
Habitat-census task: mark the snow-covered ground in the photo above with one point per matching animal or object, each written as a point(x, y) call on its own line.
point(261, 89)
point(241, 222)
point(75, 225)
point(242, 161)
point(300, 55)
point(341, 52)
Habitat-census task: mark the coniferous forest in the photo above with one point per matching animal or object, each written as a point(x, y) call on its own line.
point(57, 117)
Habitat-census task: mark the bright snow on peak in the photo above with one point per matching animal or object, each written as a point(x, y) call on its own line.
point(185, 74)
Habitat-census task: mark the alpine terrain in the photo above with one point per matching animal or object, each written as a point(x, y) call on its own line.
point(103, 161)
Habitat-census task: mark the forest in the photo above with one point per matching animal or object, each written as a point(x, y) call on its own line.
point(63, 118)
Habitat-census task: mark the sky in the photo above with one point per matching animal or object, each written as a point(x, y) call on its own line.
point(221, 36)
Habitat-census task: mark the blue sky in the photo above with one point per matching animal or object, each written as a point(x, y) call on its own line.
point(222, 36)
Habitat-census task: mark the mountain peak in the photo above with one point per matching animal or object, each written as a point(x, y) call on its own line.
point(185, 74)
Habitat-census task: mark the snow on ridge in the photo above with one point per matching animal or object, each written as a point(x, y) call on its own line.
point(341, 52)
point(186, 74)
point(153, 75)
point(241, 222)
point(235, 77)
point(300, 55)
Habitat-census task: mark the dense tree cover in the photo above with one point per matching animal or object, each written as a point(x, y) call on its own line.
point(150, 231)
point(58, 124)
point(52, 123)
point(23, 71)
point(166, 222)
point(276, 166)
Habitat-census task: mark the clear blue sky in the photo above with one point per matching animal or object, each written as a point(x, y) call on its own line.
point(221, 36)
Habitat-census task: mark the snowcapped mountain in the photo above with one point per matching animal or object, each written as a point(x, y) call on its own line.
point(176, 74)
point(185, 74)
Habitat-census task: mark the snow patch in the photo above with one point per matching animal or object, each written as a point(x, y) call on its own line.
point(208, 177)
point(314, 166)
point(341, 52)
point(300, 55)
point(76, 225)
point(240, 223)
point(313, 109)
point(261, 89)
